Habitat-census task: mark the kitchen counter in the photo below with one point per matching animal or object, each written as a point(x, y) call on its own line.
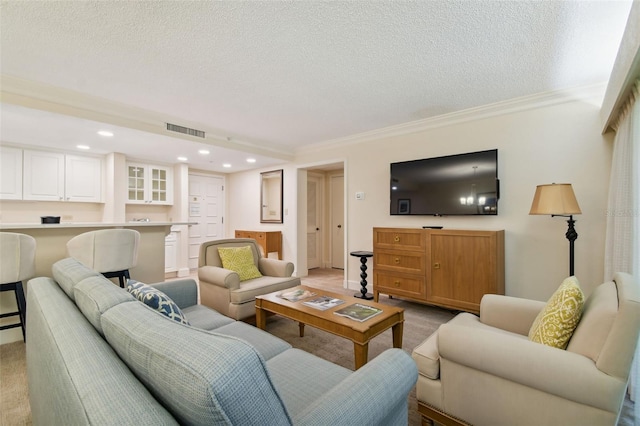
point(132, 224)
point(51, 243)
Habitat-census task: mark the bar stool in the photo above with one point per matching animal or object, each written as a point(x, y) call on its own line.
point(17, 263)
point(112, 252)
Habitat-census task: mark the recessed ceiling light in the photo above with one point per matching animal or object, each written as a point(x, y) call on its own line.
point(82, 147)
point(226, 165)
point(182, 158)
point(105, 133)
point(204, 152)
point(251, 160)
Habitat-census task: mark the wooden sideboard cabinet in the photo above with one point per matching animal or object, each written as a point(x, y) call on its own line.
point(270, 241)
point(448, 268)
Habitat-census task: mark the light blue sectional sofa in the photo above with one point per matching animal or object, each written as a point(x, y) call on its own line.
point(98, 356)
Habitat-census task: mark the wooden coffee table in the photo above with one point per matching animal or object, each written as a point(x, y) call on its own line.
point(360, 333)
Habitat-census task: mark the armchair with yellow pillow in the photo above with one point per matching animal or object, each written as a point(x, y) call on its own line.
point(232, 272)
point(527, 362)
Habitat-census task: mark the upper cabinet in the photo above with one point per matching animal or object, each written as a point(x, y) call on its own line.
point(149, 184)
point(49, 176)
point(83, 178)
point(10, 173)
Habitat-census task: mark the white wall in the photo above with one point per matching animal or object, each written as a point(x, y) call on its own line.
point(558, 143)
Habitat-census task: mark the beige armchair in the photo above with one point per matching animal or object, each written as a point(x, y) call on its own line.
point(222, 290)
point(485, 371)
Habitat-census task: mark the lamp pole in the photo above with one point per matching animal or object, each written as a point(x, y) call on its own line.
point(571, 235)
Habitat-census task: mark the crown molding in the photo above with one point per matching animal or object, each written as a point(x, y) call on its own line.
point(31, 94)
point(590, 93)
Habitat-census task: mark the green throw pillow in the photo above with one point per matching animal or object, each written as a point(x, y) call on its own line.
point(240, 260)
point(555, 324)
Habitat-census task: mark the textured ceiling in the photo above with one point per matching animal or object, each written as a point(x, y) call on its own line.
point(289, 74)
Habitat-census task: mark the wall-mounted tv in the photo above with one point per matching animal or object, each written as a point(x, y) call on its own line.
point(462, 184)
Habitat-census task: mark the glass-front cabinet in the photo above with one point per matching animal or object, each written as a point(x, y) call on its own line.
point(149, 184)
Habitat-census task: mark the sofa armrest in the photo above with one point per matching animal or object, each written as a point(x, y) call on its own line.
point(219, 276)
point(374, 391)
point(183, 292)
point(554, 371)
point(275, 267)
point(509, 313)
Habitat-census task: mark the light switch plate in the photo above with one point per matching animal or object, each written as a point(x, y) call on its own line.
point(359, 195)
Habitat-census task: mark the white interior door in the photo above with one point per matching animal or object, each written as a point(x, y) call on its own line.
point(206, 207)
point(337, 222)
point(314, 221)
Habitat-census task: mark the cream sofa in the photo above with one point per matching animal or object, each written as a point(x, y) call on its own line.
point(222, 290)
point(485, 371)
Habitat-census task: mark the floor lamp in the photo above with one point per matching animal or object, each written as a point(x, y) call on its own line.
point(558, 199)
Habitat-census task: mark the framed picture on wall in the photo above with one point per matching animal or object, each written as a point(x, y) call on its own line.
point(404, 206)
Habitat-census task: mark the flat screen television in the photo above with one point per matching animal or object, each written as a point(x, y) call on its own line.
point(461, 184)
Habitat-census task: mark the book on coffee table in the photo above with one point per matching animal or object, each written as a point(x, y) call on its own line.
point(358, 312)
point(323, 302)
point(295, 295)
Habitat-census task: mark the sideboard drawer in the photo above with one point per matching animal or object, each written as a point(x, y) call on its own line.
point(400, 284)
point(399, 239)
point(405, 261)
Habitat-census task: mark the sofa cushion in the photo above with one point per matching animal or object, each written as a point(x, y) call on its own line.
point(200, 316)
point(239, 260)
point(157, 300)
point(302, 378)
point(266, 344)
point(69, 272)
point(200, 377)
point(555, 324)
point(94, 295)
point(598, 316)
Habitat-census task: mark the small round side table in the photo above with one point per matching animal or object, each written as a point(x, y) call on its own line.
point(363, 255)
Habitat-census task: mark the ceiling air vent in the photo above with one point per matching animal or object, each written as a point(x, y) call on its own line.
point(185, 130)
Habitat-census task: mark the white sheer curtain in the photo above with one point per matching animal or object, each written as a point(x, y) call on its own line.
point(622, 251)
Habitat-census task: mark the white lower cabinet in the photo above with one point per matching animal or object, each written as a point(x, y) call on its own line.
point(171, 252)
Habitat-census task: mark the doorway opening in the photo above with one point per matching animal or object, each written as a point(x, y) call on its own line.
point(324, 218)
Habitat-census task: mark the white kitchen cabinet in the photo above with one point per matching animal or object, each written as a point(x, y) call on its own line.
point(171, 252)
point(149, 184)
point(51, 176)
point(83, 179)
point(10, 173)
point(43, 176)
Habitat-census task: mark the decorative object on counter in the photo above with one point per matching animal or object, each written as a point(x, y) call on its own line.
point(558, 199)
point(16, 269)
point(112, 252)
point(363, 255)
point(49, 219)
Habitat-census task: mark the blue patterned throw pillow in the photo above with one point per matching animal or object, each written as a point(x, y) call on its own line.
point(157, 300)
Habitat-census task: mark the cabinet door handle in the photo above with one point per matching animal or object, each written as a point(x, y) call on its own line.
point(396, 283)
point(436, 265)
point(397, 260)
point(396, 239)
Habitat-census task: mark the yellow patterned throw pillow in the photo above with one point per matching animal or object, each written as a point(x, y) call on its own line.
point(554, 325)
point(240, 260)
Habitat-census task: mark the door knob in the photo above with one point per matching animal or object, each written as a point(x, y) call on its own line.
point(339, 226)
